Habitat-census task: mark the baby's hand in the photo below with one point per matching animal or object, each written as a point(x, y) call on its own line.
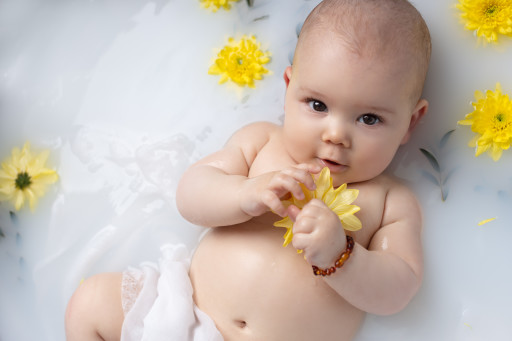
point(318, 232)
point(263, 193)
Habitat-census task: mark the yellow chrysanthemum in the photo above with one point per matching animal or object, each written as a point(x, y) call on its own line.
point(241, 61)
point(338, 200)
point(215, 5)
point(24, 177)
point(492, 121)
point(487, 17)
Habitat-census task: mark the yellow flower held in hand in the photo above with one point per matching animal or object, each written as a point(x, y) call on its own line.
point(487, 17)
point(217, 4)
point(338, 200)
point(242, 62)
point(24, 177)
point(492, 121)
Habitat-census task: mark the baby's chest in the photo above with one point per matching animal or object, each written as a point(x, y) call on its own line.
point(372, 203)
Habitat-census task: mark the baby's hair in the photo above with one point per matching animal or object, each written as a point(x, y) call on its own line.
point(382, 28)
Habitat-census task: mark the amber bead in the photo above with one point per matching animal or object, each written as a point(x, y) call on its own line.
point(339, 263)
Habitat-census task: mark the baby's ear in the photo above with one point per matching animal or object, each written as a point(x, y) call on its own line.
point(287, 75)
point(419, 111)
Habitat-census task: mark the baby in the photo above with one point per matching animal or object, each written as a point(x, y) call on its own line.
point(352, 98)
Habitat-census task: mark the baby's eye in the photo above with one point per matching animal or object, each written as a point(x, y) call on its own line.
point(369, 119)
point(317, 105)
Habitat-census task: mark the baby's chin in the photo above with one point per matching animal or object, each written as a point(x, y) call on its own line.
point(349, 177)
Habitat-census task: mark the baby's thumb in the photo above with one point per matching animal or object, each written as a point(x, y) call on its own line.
point(293, 212)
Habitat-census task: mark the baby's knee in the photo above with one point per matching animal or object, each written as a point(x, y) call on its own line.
point(94, 312)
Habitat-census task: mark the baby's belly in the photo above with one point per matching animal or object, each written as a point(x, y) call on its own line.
point(254, 289)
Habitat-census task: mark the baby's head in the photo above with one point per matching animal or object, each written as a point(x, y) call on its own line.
point(385, 30)
point(353, 91)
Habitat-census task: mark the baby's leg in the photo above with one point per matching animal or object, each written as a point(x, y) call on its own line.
point(95, 310)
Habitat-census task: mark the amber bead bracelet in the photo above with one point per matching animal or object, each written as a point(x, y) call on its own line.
point(339, 263)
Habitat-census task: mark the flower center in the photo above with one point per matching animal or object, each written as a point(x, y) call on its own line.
point(491, 10)
point(501, 123)
point(23, 180)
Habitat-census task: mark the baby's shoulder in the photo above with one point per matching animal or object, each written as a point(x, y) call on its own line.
point(255, 132)
point(400, 202)
point(251, 139)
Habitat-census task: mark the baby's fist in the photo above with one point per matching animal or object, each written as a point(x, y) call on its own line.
point(318, 232)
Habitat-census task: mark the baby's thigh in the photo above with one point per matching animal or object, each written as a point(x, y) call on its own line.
point(95, 310)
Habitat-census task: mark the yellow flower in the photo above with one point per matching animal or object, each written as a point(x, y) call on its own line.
point(338, 200)
point(492, 121)
point(241, 61)
point(24, 177)
point(487, 17)
point(216, 4)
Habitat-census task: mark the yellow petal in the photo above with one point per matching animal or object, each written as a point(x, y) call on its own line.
point(479, 95)
point(6, 191)
point(288, 236)
point(495, 152)
point(486, 221)
point(345, 197)
point(351, 222)
point(32, 199)
point(7, 173)
point(45, 176)
point(346, 209)
point(18, 200)
point(323, 183)
point(285, 222)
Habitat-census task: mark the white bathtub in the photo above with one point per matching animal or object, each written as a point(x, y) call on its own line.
point(119, 93)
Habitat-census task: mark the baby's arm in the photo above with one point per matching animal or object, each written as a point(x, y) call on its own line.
point(381, 279)
point(217, 190)
point(94, 311)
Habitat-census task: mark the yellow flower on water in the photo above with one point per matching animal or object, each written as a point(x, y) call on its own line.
point(487, 17)
point(492, 121)
point(24, 177)
point(242, 62)
point(217, 4)
point(338, 200)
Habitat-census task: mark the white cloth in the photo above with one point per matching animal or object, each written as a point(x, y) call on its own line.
point(158, 304)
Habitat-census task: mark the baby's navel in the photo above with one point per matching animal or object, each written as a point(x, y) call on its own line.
point(241, 324)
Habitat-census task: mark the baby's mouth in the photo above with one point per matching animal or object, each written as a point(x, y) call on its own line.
point(333, 165)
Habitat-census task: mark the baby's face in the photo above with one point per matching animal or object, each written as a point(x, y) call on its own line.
point(347, 112)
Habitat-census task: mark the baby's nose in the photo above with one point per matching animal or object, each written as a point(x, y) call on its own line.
point(337, 133)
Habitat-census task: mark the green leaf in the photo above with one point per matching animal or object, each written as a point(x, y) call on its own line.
point(444, 193)
point(432, 159)
point(445, 138)
point(14, 217)
point(263, 17)
point(250, 3)
point(431, 178)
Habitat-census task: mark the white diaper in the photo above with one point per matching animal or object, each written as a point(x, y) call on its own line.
point(157, 301)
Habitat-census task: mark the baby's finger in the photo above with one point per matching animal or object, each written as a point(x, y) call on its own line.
point(304, 224)
point(272, 201)
point(314, 208)
point(292, 212)
point(311, 168)
point(302, 176)
point(301, 241)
